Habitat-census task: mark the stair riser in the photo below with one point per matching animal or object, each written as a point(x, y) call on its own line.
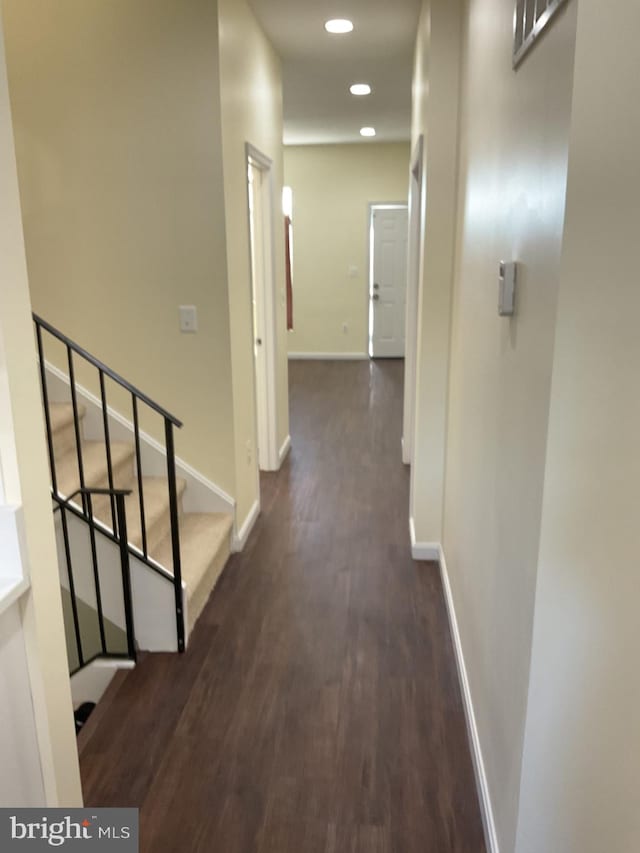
point(198, 597)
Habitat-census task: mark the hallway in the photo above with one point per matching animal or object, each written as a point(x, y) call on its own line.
point(317, 708)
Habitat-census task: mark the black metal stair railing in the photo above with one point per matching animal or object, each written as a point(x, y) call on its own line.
point(106, 648)
point(118, 531)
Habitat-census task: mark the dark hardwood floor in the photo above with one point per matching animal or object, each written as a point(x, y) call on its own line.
point(317, 709)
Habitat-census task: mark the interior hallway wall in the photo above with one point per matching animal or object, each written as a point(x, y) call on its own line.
point(513, 171)
point(581, 773)
point(332, 187)
point(484, 390)
point(116, 107)
point(251, 100)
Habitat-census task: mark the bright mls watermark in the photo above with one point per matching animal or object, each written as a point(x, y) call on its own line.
point(69, 829)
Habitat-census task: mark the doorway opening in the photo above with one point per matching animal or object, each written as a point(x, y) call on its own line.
point(387, 279)
point(260, 198)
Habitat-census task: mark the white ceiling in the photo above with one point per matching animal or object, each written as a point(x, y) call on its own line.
point(318, 68)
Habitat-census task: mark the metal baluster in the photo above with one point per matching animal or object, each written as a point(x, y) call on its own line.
point(175, 533)
point(136, 431)
point(72, 586)
point(107, 443)
point(126, 574)
point(96, 575)
point(86, 498)
point(76, 424)
point(47, 413)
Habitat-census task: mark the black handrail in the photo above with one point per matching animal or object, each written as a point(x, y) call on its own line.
point(63, 502)
point(102, 367)
point(118, 533)
point(62, 506)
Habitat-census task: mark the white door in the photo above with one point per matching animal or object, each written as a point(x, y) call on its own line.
point(388, 282)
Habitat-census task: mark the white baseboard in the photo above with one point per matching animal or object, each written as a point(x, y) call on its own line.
point(422, 550)
point(486, 810)
point(328, 356)
point(201, 495)
point(240, 537)
point(284, 450)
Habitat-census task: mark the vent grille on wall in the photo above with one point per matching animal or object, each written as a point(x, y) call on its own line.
point(529, 20)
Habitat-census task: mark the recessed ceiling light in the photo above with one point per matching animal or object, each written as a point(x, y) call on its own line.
point(360, 89)
point(367, 131)
point(339, 25)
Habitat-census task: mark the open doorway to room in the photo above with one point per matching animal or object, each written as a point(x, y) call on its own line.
point(387, 279)
point(261, 233)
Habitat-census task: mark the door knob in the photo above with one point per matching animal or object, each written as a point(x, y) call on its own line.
point(376, 286)
point(375, 297)
point(259, 342)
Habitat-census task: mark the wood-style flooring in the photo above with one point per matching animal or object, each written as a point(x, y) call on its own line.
point(317, 708)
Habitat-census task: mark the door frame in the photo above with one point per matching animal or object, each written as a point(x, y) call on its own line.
point(375, 205)
point(266, 422)
point(417, 196)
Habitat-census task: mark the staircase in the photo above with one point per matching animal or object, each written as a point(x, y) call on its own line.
point(205, 538)
point(187, 549)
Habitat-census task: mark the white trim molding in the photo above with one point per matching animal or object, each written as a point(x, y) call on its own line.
point(482, 785)
point(241, 536)
point(486, 809)
point(267, 420)
point(284, 450)
point(422, 550)
point(328, 356)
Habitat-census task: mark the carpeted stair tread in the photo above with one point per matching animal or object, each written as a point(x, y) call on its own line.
point(204, 547)
point(95, 466)
point(201, 534)
point(156, 512)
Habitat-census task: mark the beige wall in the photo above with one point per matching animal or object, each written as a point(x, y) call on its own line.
point(481, 433)
point(25, 480)
point(513, 164)
point(332, 186)
point(118, 138)
point(251, 112)
point(581, 773)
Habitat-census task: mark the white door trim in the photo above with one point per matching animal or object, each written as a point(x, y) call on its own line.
point(416, 218)
point(375, 205)
point(268, 457)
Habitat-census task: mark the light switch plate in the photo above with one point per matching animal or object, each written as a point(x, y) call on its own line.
point(188, 319)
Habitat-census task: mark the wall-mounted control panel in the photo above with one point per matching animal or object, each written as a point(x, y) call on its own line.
point(507, 288)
